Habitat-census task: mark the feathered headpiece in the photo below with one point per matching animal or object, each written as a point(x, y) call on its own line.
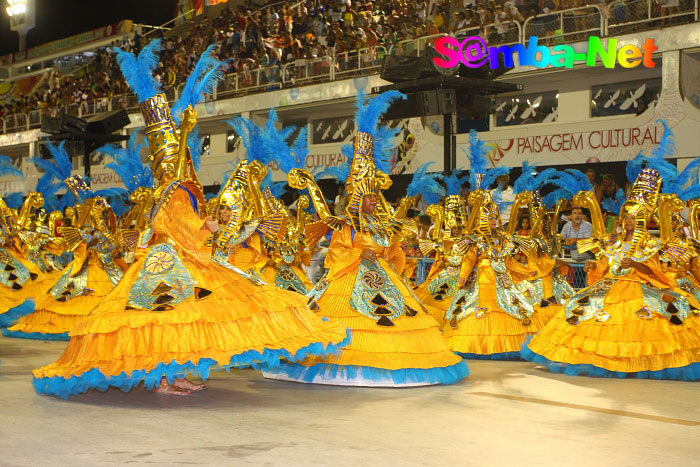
point(426, 184)
point(567, 183)
point(373, 143)
point(127, 163)
point(6, 168)
point(14, 200)
point(201, 81)
point(138, 71)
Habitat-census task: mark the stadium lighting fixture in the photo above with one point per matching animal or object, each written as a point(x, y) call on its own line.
point(22, 18)
point(16, 7)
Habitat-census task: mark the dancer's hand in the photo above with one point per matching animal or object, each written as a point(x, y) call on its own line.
point(627, 263)
point(368, 254)
point(462, 282)
point(590, 266)
point(212, 225)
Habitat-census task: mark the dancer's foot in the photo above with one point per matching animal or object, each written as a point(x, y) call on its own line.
point(188, 385)
point(171, 389)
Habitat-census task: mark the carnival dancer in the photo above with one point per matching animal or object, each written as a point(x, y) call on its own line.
point(538, 270)
point(489, 317)
point(395, 340)
point(632, 321)
point(21, 280)
point(176, 313)
point(85, 282)
point(277, 254)
point(449, 220)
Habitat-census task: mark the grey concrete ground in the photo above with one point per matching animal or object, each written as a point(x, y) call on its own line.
point(506, 413)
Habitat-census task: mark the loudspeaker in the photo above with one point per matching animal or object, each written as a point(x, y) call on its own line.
point(63, 124)
point(423, 104)
point(51, 125)
point(108, 122)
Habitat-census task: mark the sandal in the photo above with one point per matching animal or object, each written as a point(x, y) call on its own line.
point(187, 385)
point(171, 390)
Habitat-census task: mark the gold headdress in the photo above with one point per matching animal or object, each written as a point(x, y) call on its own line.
point(642, 201)
point(454, 213)
point(365, 180)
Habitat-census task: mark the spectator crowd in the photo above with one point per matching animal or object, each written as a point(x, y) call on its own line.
point(281, 33)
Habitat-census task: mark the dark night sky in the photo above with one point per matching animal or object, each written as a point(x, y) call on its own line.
point(56, 19)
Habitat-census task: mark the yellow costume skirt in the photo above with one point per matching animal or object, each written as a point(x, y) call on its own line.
point(55, 319)
point(623, 345)
point(409, 352)
point(231, 323)
point(21, 281)
point(490, 333)
point(438, 308)
point(286, 281)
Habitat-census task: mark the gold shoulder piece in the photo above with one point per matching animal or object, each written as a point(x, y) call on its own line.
point(128, 238)
point(426, 247)
point(72, 237)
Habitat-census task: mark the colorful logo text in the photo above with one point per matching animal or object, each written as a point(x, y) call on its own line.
point(473, 52)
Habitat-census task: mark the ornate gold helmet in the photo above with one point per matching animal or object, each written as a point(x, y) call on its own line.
point(643, 198)
point(163, 140)
point(455, 213)
point(365, 180)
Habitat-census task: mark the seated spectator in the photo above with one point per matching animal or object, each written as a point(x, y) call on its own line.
point(524, 227)
point(577, 229)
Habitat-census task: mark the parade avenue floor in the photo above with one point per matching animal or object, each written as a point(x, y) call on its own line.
point(506, 413)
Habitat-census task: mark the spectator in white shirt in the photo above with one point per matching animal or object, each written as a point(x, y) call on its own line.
point(504, 197)
point(577, 229)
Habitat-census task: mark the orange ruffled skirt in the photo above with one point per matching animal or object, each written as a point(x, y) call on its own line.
point(412, 352)
point(623, 345)
point(239, 324)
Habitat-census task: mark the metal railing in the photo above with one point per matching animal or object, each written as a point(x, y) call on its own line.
point(560, 27)
point(628, 16)
point(557, 27)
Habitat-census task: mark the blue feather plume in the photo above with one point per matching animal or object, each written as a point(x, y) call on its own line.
point(426, 184)
point(201, 81)
point(492, 175)
point(55, 172)
point(138, 72)
point(128, 165)
point(250, 135)
point(635, 166)
point(614, 205)
point(367, 118)
point(14, 200)
point(368, 114)
point(276, 188)
point(339, 172)
point(454, 183)
point(270, 144)
point(196, 145)
point(7, 168)
point(667, 146)
point(526, 181)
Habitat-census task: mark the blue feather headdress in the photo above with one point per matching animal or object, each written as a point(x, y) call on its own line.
point(368, 115)
point(14, 200)
point(454, 183)
point(196, 145)
point(56, 172)
point(614, 205)
point(339, 172)
point(270, 144)
point(568, 183)
point(201, 81)
point(128, 165)
point(427, 185)
point(138, 71)
point(7, 168)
